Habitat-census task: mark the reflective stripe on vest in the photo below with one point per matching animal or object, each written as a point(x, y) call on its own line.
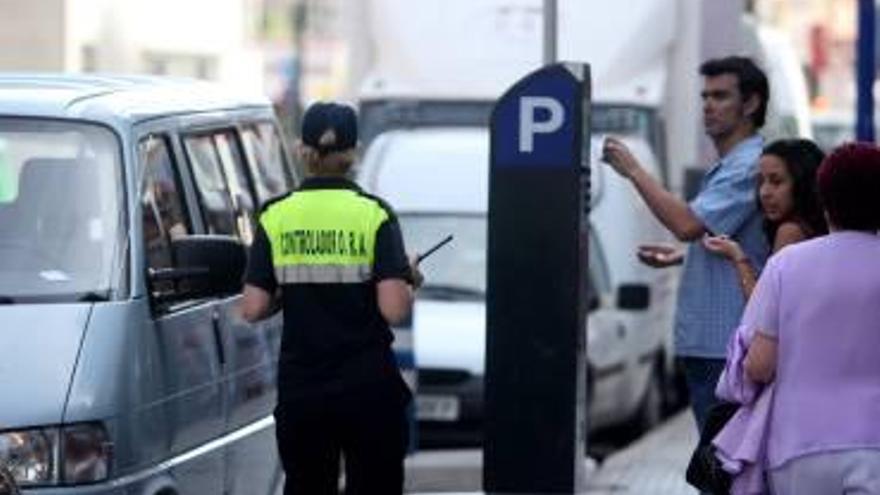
point(323, 274)
point(323, 236)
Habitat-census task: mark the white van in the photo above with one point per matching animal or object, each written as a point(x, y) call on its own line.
point(436, 178)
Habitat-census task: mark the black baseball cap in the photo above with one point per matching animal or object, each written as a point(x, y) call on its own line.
point(322, 117)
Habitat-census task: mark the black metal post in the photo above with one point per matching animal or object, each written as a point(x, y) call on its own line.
point(866, 71)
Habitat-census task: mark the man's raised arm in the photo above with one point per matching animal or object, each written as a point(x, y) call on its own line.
point(671, 211)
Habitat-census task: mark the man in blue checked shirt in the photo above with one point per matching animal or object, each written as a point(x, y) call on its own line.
point(710, 301)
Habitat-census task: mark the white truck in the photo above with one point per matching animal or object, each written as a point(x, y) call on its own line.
point(437, 180)
point(437, 69)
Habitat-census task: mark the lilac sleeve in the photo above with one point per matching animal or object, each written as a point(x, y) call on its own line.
point(763, 305)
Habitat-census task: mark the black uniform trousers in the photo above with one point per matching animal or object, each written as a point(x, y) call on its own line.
point(366, 425)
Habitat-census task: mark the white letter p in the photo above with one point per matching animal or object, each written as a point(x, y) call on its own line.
point(528, 127)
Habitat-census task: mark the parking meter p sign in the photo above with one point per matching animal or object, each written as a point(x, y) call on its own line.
point(528, 123)
point(536, 291)
point(538, 120)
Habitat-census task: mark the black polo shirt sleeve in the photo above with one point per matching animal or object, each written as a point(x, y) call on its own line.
point(260, 271)
point(390, 257)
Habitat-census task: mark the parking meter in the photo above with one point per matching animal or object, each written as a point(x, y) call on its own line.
point(537, 283)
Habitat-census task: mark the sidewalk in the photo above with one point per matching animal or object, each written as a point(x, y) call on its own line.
point(654, 465)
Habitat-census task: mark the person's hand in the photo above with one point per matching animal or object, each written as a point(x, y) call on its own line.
point(724, 246)
point(660, 255)
point(417, 277)
point(621, 159)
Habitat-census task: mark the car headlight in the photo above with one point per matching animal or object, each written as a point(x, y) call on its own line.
point(73, 454)
point(7, 482)
point(86, 453)
point(31, 456)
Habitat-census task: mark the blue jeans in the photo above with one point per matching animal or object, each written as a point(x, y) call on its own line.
point(702, 376)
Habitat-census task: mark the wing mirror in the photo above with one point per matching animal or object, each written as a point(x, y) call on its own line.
point(204, 266)
point(635, 297)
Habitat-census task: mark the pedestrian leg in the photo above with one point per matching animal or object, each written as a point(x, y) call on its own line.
point(817, 474)
point(862, 472)
point(702, 376)
point(309, 449)
point(376, 435)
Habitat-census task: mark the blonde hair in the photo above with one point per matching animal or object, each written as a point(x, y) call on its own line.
point(333, 163)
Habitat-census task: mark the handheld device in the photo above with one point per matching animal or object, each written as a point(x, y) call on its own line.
point(435, 247)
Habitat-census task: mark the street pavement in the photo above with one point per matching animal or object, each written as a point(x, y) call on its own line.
point(652, 465)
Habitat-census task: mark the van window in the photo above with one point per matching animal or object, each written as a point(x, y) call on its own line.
point(162, 207)
point(62, 220)
point(239, 184)
point(213, 192)
point(269, 165)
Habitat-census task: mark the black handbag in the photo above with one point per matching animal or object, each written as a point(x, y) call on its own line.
point(704, 471)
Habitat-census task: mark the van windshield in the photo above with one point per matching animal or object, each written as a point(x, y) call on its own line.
point(456, 271)
point(60, 211)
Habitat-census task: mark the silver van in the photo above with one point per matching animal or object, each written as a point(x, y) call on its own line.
point(126, 204)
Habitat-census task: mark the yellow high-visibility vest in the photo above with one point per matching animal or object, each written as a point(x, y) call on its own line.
point(323, 236)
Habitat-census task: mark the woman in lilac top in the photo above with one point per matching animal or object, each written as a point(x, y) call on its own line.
point(818, 339)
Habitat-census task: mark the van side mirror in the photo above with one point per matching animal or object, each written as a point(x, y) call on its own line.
point(204, 266)
point(636, 297)
point(223, 258)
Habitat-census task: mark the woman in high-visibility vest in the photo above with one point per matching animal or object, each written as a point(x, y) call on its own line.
point(333, 257)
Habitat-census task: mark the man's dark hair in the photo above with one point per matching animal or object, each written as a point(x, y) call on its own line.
point(752, 81)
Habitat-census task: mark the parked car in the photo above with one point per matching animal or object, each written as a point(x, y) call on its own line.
point(126, 207)
point(437, 180)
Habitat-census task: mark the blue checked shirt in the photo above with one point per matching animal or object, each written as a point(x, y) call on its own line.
point(710, 298)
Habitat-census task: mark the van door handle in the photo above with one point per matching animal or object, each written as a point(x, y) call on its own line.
point(218, 337)
point(621, 330)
